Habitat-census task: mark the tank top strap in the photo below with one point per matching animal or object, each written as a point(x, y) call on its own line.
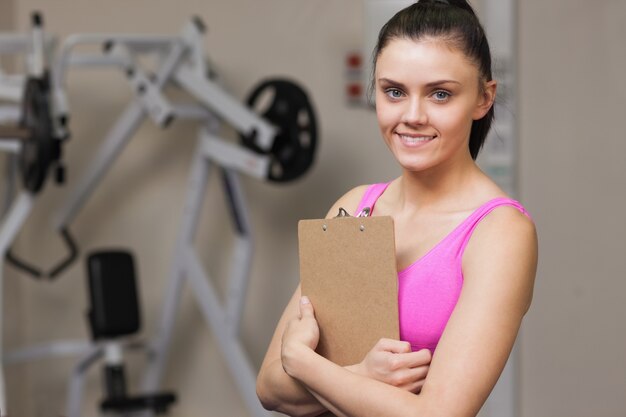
point(371, 195)
point(464, 230)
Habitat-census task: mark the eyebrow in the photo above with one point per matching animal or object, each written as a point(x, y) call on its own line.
point(430, 84)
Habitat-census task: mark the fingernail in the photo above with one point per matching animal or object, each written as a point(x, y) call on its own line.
point(305, 300)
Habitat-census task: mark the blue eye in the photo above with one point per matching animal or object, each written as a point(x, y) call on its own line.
point(393, 93)
point(441, 95)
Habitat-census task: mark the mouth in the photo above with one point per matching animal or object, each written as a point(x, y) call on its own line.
point(414, 140)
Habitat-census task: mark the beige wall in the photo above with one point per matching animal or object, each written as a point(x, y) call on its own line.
point(573, 360)
point(572, 66)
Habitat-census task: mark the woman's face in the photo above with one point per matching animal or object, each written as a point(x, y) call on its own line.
point(427, 95)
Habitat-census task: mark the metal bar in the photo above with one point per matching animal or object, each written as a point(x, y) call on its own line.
point(231, 110)
point(160, 345)
point(11, 145)
point(46, 350)
point(241, 262)
point(93, 60)
point(135, 42)
point(155, 104)
point(10, 180)
point(3, 392)
point(76, 384)
point(196, 189)
point(193, 36)
point(38, 49)
point(14, 220)
point(224, 322)
point(192, 112)
point(113, 144)
point(12, 79)
point(10, 113)
point(187, 267)
point(16, 43)
point(11, 225)
point(11, 92)
point(232, 350)
point(170, 63)
point(231, 156)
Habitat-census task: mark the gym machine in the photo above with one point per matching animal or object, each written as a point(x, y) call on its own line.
point(278, 136)
point(114, 314)
point(33, 139)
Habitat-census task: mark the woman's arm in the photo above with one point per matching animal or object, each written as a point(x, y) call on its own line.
point(277, 390)
point(499, 269)
point(390, 361)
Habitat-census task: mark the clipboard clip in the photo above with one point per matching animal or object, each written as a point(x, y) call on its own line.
point(363, 213)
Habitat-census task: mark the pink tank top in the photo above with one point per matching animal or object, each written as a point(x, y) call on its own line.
point(429, 288)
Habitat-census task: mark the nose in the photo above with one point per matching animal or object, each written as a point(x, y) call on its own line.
point(415, 112)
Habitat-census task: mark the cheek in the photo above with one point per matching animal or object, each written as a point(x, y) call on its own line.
point(457, 120)
point(384, 116)
point(387, 115)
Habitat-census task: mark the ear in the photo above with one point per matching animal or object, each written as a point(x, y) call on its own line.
point(485, 100)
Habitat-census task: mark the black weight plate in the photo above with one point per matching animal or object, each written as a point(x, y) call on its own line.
point(40, 148)
point(286, 106)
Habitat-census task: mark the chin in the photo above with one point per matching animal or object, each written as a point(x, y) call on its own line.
point(416, 166)
point(413, 160)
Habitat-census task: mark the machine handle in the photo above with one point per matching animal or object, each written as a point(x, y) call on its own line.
point(55, 271)
point(73, 254)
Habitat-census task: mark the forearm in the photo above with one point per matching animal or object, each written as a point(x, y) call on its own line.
point(279, 392)
point(349, 394)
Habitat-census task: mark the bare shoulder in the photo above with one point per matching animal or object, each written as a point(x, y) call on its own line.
point(349, 201)
point(506, 222)
point(502, 252)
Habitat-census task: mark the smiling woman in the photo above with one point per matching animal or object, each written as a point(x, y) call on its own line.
point(427, 94)
point(466, 252)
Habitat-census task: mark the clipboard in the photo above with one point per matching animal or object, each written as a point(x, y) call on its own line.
point(348, 270)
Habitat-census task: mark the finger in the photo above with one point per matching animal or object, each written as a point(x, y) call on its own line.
point(400, 360)
point(419, 358)
point(306, 308)
point(403, 377)
point(394, 346)
point(419, 373)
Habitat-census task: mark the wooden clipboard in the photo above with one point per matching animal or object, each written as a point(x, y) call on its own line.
point(348, 270)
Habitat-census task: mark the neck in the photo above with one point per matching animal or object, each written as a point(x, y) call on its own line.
point(446, 186)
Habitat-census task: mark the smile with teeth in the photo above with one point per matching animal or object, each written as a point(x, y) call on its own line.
point(412, 140)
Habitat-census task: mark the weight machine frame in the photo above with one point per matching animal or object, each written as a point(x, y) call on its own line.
point(182, 62)
point(36, 47)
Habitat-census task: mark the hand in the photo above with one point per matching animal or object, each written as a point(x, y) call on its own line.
point(301, 332)
point(392, 362)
